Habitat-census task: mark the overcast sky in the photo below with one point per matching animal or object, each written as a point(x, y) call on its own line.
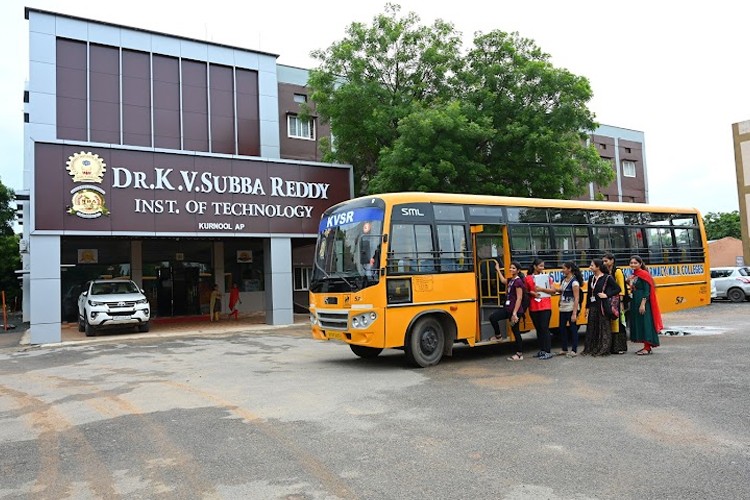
point(679, 72)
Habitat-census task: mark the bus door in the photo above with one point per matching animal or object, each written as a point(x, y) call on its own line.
point(490, 242)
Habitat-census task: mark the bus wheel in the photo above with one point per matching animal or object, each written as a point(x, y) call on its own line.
point(426, 342)
point(365, 352)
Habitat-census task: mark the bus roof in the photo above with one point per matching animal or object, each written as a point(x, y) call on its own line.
point(475, 199)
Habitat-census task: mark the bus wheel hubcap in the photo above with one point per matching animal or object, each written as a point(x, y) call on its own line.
point(428, 341)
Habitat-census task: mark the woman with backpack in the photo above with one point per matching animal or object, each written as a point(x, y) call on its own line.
point(570, 294)
point(513, 309)
point(619, 333)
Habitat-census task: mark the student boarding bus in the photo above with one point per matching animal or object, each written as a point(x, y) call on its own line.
point(416, 271)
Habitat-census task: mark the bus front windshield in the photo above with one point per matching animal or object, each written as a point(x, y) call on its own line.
point(347, 255)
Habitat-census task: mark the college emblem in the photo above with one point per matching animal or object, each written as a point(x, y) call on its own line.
point(86, 167)
point(88, 202)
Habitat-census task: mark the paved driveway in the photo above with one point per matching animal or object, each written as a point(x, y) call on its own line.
point(269, 413)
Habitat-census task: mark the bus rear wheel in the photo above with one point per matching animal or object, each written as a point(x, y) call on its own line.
point(425, 343)
point(365, 352)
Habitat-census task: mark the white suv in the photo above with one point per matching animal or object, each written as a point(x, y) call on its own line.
point(112, 303)
point(732, 283)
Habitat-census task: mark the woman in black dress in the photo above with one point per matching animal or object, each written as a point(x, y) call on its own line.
point(598, 327)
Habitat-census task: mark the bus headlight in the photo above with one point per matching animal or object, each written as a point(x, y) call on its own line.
point(313, 319)
point(364, 320)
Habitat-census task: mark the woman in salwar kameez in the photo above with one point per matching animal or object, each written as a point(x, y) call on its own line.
point(645, 317)
point(598, 328)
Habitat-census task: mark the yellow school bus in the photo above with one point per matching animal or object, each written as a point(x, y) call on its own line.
point(416, 271)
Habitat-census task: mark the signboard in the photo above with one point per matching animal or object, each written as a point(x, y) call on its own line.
point(111, 190)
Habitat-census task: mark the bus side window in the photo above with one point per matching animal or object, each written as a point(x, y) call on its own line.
point(452, 249)
point(425, 250)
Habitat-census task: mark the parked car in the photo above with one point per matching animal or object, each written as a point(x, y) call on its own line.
point(110, 303)
point(731, 283)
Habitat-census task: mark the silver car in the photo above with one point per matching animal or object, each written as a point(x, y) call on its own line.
point(731, 283)
point(114, 302)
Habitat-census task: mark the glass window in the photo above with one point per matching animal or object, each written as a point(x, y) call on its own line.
point(302, 278)
point(635, 239)
point(631, 218)
point(300, 98)
point(516, 214)
point(567, 216)
point(300, 129)
point(628, 168)
point(610, 239)
point(494, 214)
point(527, 242)
point(688, 241)
point(449, 212)
point(564, 241)
point(425, 256)
point(655, 218)
point(412, 249)
point(605, 217)
point(684, 220)
point(584, 252)
point(452, 248)
point(659, 244)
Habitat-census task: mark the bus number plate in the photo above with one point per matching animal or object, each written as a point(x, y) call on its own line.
point(335, 336)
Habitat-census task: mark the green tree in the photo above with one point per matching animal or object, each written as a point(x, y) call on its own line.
point(376, 76)
point(722, 224)
point(410, 113)
point(10, 259)
point(539, 117)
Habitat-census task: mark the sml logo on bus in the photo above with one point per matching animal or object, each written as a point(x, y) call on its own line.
point(413, 212)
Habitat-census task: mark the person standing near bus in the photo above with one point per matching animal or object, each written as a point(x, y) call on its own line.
point(619, 332)
point(645, 317)
point(570, 288)
point(541, 288)
point(598, 328)
point(513, 309)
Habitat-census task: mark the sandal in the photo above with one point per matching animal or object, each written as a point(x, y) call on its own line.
point(516, 357)
point(643, 352)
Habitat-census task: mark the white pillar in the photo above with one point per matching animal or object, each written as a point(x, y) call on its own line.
point(278, 278)
point(45, 285)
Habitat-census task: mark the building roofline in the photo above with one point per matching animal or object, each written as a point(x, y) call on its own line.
point(142, 30)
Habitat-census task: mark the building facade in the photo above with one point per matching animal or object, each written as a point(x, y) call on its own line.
point(625, 150)
point(174, 162)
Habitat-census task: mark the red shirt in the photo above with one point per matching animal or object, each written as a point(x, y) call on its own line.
point(538, 304)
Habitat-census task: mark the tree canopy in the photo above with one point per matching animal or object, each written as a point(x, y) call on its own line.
point(722, 224)
point(410, 112)
point(10, 259)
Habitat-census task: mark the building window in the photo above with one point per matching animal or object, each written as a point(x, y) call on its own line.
point(302, 278)
point(628, 168)
point(300, 98)
point(300, 129)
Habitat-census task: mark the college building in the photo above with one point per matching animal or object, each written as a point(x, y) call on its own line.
point(180, 164)
point(173, 162)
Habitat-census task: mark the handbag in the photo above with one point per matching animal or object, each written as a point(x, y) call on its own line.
point(611, 306)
